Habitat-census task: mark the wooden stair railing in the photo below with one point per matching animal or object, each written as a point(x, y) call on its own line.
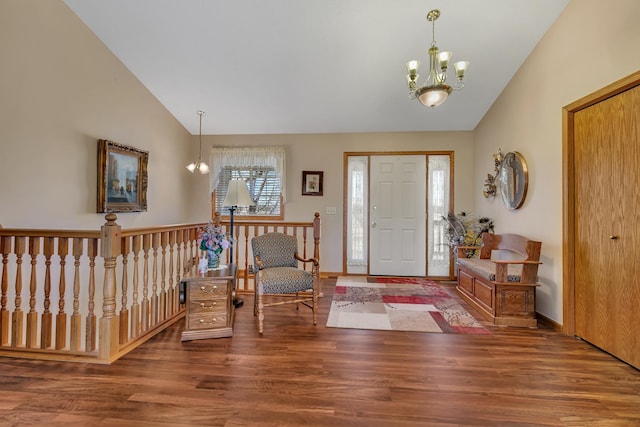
point(59, 311)
point(52, 306)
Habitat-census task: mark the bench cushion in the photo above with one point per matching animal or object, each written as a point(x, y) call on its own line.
point(486, 269)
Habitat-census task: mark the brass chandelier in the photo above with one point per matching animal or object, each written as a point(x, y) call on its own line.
point(435, 90)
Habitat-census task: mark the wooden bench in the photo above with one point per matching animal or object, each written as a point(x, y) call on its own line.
point(501, 284)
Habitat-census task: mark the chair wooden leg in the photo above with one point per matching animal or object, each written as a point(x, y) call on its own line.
point(255, 302)
point(315, 307)
point(260, 314)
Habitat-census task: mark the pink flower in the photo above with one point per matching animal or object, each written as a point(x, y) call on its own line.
point(213, 238)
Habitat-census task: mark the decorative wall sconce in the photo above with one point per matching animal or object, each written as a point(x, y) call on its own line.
point(490, 182)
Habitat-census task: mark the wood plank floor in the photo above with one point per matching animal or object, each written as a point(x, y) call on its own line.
point(298, 374)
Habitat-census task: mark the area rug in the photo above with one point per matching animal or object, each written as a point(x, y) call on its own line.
point(407, 304)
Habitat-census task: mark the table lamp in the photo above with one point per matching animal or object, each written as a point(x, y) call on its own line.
point(237, 196)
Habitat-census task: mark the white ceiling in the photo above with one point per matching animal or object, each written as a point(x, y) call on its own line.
point(315, 66)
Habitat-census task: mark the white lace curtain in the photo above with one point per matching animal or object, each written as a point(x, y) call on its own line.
point(274, 157)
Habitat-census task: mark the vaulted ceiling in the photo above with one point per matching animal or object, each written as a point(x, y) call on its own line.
point(315, 66)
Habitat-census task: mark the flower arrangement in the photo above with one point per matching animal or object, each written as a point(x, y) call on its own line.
point(465, 230)
point(212, 238)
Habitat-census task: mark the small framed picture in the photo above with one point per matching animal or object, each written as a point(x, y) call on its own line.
point(312, 183)
point(122, 178)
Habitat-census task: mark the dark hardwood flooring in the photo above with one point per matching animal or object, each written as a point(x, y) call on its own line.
point(300, 374)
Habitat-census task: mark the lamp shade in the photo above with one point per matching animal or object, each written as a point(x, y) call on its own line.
point(237, 194)
point(432, 96)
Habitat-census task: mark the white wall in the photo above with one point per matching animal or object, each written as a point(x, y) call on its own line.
point(60, 91)
point(591, 45)
point(325, 152)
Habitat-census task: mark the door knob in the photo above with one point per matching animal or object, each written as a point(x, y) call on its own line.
point(373, 225)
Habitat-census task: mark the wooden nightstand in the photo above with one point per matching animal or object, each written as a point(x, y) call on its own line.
point(209, 304)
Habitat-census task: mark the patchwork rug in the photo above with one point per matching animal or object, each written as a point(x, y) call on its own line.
point(406, 304)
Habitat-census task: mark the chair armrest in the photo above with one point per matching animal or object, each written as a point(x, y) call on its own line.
point(259, 262)
point(313, 260)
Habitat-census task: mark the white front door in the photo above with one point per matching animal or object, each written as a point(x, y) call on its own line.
point(397, 215)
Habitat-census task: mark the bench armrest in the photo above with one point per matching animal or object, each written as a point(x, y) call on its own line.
point(460, 250)
point(528, 274)
point(501, 261)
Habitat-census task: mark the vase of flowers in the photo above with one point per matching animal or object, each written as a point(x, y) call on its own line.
point(463, 229)
point(213, 240)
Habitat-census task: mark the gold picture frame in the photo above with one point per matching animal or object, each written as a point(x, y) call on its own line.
point(122, 178)
point(312, 183)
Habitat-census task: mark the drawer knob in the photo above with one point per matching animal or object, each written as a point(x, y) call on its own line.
point(204, 322)
point(203, 305)
point(208, 290)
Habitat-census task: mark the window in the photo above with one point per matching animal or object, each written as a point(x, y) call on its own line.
point(263, 184)
point(263, 168)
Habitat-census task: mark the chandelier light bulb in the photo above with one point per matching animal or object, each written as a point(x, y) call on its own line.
point(203, 168)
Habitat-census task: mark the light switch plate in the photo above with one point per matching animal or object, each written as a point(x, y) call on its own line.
point(331, 210)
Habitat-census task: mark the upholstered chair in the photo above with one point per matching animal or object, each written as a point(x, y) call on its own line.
point(278, 278)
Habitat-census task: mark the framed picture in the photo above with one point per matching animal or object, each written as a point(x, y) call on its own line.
point(312, 183)
point(122, 178)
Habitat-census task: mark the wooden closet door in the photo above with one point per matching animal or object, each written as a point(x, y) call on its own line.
point(607, 225)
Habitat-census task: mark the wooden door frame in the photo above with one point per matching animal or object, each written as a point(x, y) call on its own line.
point(345, 181)
point(568, 189)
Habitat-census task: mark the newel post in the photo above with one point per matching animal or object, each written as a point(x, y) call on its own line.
point(110, 241)
point(316, 247)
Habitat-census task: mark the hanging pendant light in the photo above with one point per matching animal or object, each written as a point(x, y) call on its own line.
point(435, 90)
point(200, 166)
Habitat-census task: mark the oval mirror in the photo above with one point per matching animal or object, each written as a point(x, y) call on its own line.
point(513, 178)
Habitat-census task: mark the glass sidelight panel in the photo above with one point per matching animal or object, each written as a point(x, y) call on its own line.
point(439, 176)
point(357, 218)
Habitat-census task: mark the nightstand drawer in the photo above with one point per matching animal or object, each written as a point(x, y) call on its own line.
point(207, 321)
point(213, 305)
point(198, 291)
